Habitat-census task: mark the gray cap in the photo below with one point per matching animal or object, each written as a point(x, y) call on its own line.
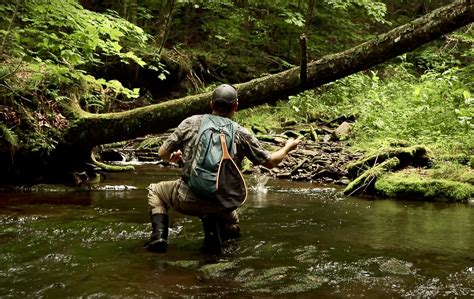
point(225, 93)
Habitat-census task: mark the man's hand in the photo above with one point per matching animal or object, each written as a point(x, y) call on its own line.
point(176, 157)
point(292, 143)
point(277, 157)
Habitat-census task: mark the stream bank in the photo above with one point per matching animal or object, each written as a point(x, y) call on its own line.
point(329, 160)
point(323, 161)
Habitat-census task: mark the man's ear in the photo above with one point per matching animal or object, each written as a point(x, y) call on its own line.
point(210, 104)
point(235, 106)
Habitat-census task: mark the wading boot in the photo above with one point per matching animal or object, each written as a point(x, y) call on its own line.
point(159, 236)
point(212, 238)
point(228, 232)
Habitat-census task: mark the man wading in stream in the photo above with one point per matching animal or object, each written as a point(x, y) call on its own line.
point(219, 223)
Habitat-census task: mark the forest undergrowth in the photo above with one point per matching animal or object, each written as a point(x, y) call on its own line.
point(393, 105)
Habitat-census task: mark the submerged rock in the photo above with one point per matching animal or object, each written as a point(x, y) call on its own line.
point(217, 269)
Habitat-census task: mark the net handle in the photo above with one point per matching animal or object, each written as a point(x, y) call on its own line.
point(225, 151)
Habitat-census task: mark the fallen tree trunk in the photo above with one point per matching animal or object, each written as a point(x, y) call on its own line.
point(417, 155)
point(365, 171)
point(365, 182)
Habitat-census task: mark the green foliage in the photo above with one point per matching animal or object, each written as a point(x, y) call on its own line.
point(435, 109)
point(54, 47)
point(64, 33)
point(453, 171)
point(393, 103)
point(49, 48)
point(8, 135)
point(293, 18)
point(430, 58)
point(263, 118)
point(150, 143)
point(235, 35)
point(58, 40)
point(102, 94)
point(375, 10)
point(431, 110)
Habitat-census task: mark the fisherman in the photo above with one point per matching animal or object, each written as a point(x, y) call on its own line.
point(218, 224)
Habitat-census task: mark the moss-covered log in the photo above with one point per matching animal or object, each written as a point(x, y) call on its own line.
point(414, 155)
point(365, 182)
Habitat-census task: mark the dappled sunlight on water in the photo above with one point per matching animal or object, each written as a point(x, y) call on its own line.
point(298, 239)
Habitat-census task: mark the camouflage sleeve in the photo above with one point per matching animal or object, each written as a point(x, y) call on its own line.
point(176, 139)
point(250, 147)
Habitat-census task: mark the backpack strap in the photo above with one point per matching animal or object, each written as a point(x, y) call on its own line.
point(204, 119)
point(220, 121)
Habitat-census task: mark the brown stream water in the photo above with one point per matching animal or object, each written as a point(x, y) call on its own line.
point(298, 240)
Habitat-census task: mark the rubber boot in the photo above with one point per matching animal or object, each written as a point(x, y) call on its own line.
point(212, 239)
point(159, 236)
point(228, 231)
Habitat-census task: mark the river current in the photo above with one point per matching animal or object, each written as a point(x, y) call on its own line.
point(298, 240)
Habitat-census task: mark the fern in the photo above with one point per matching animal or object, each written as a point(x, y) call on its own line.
point(9, 136)
point(152, 142)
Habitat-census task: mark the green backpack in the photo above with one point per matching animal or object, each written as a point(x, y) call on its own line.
point(213, 174)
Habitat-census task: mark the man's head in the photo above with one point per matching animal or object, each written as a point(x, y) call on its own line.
point(224, 99)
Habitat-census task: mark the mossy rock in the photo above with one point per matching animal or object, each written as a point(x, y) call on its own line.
point(189, 264)
point(413, 186)
point(218, 269)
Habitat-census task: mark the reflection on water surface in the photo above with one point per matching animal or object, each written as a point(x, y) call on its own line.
point(298, 240)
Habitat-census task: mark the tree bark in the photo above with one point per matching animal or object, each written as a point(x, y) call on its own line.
point(164, 28)
point(303, 60)
point(309, 16)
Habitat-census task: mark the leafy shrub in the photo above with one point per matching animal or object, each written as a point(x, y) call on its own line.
point(47, 49)
point(56, 42)
point(434, 109)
